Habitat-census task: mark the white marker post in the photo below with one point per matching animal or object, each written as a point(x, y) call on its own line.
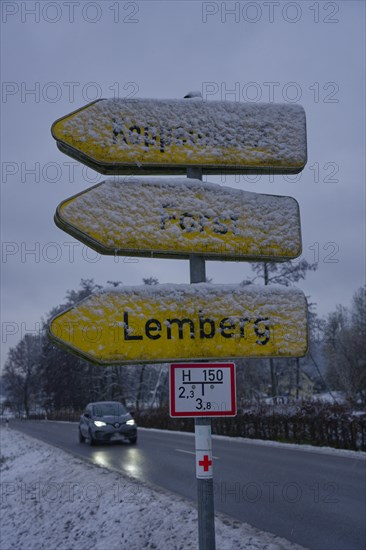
point(202, 390)
point(203, 442)
point(202, 428)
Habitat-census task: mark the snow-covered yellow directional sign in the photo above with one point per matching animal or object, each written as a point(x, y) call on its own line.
point(149, 136)
point(177, 217)
point(184, 322)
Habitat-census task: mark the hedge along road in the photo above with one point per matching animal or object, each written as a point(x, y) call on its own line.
point(312, 498)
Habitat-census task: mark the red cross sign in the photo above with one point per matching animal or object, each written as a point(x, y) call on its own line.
point(205, 463)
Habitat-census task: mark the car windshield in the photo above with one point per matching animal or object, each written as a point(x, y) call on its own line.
point(108, 409)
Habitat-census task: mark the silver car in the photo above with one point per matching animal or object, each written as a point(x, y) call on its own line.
point(106, 421)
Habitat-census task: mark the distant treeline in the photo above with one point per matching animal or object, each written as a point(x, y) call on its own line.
point(312, 423)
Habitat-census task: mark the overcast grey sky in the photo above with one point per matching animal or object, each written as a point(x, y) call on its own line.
point(57, 57)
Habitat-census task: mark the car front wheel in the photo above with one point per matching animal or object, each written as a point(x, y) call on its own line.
point(81, 437)
point(133, 440)
point(91, 440)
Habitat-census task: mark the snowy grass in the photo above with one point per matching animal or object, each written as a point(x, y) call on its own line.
point(52, 500)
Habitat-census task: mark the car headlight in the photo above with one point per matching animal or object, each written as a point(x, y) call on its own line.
point(99, 423)
point(131, 422)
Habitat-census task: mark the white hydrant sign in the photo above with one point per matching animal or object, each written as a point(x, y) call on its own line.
point(202, 389)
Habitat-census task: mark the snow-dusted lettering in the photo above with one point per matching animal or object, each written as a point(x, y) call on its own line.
point(202, 328)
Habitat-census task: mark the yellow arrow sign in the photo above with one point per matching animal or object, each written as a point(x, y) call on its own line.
point(177, 217)
point(120, 136)
point(184, 322)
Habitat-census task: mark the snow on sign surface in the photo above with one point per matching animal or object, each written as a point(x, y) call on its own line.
point(125, 136)
point(184, 322)
point(176, 217)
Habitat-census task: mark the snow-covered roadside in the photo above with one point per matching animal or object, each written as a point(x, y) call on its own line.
point(51, 500)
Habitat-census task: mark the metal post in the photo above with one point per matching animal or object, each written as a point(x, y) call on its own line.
point(197, 269)
point(297, 377)
point(194, 172)
point(202, 428)
point(205, 496)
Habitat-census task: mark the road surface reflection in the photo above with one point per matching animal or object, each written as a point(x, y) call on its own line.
point(131, 460)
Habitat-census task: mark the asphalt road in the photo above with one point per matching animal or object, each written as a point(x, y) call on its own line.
point(316, 500)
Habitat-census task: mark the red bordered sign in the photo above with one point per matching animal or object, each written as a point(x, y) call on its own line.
point(202, 389)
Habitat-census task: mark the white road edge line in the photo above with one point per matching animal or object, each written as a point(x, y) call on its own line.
point(329, 451)
point(193, 453)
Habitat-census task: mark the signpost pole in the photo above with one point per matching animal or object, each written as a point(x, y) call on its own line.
point(202, 428)
point(205, 496)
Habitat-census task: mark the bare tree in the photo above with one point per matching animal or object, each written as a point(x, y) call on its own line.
point(68, 381)
point(282, 273)
point(151, 281)
point(20, 373)
point(345, 341)
point(285, 273)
